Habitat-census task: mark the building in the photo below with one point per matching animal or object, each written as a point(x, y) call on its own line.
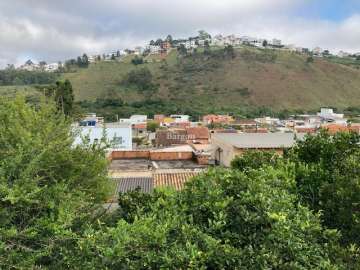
point(328, 115)
point(197, 135)
point(178, 118)
point(117, 136)
point(226, 146)
point(275, 42)
point(52, 67)
point(134, 119)
point(217, 119)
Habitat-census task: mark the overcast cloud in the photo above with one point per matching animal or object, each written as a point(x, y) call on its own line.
point(56, 30)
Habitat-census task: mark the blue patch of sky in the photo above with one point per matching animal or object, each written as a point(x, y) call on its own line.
point(330, 10)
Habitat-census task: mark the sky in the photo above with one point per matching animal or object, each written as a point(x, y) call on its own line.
point(54, 30)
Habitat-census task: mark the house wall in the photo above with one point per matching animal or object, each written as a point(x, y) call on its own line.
point(229, 152)
point(116, 155)
point(130, 155)
point(171, 155)
point(119, 137)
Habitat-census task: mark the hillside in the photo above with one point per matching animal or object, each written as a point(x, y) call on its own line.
point(278, 80)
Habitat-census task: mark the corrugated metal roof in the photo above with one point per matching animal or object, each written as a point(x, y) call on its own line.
point(174, 180)
point(258, 140)
point(126, 184)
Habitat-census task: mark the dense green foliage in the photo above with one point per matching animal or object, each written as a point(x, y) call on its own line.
point(23, 77)
point(300, 211)
point(48, 188)
point(141, 79)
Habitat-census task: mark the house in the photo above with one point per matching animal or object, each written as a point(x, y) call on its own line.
point(174, 179)
point(139, 50)
point(197, 135)
point(52, 67)
point(170, 137)
point(275, 42)
point(134, 119)
point(217, 119)
point(327, 115)
point(117, 135)
point(267, 121)
point(227, 146)
point(343, 54)
point(317, 51)
point(179, 118)
point(245, 124)
point(139, 129)
point(335, 128)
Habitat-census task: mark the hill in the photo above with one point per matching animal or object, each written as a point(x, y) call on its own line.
point(218, 82)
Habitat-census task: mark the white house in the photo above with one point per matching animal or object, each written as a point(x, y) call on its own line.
point(179, 118)
point(343, 54)
point(328, 115)
point(317, 51)
point(117, 135)
point(154, 49)
point(52, 67)
point(275, 42)
point(134, 119)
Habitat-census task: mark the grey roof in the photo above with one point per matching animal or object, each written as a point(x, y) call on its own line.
point(259, 140)
point(126, 184)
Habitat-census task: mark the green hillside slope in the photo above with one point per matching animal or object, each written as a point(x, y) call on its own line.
point(216, 81)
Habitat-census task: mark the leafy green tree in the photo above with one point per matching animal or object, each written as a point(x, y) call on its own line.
point(49, 189)
point(327, 175)
point(229, 51)
point(182, 50)
point(152, 126)
point(255, 160)
point(310, 59)
point(221, 220)
point(64, 96)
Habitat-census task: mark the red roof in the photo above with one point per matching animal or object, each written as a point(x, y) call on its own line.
point(198, 133)
point(139, 126)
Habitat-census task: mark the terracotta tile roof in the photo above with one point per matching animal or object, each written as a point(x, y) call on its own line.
point(139, 126)
point(174, 180)
point(198, 133)
point(305, 130)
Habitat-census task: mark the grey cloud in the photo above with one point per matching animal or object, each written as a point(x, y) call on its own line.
point(55, 30)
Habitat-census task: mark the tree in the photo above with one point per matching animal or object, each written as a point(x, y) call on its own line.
point(79, 61)
point(118, 54)
point(152, 126)
point(113, 57)
point(265, 43)
point(158, 42)
point(204, 35)
point(169, 39)
point(327, 175)
point(64, 96)
point(49, 188)
point(221, 220)
point(137, 60)
point(229, 51)
point(85, 61)
point(255, 160)
point(310, 59)
point(182, 50)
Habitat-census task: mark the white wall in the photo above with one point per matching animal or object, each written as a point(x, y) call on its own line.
point(119, 137)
